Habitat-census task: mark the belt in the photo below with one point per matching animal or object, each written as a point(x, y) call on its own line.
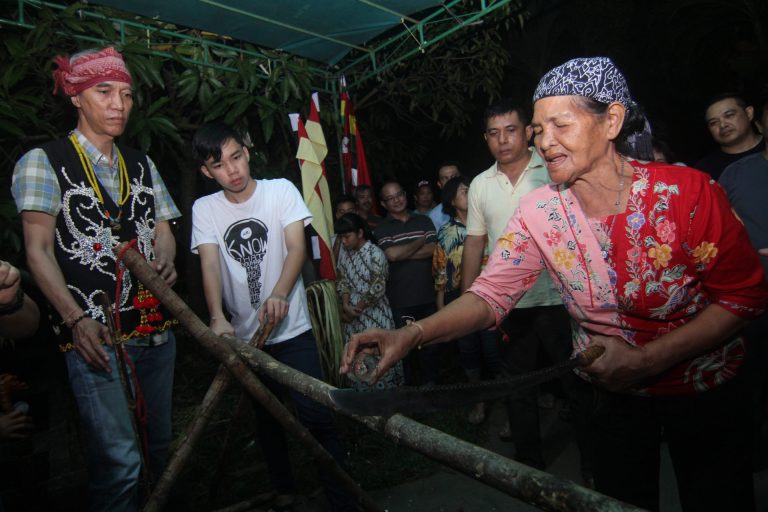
point(153, 340)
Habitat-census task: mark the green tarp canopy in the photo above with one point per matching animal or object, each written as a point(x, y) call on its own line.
point(321, 30)
point(356, 38)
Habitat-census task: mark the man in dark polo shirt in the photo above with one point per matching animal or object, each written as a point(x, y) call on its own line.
point(408, 240)
point(729, 120)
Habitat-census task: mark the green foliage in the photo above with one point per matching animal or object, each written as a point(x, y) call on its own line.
point(323, 306)
point(173, 96)
point(438, 89)
point(435, 95)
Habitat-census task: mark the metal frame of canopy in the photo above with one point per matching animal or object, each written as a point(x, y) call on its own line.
point(365, 62)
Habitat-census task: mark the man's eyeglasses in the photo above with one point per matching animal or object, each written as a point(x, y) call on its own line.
point(393, 196)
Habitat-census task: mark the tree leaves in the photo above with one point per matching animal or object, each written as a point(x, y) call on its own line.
point(172, 95)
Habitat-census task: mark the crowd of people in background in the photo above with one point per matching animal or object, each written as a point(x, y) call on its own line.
point(488, 252)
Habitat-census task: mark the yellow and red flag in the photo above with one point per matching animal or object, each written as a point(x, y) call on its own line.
point(314, 181)
point(352, 149)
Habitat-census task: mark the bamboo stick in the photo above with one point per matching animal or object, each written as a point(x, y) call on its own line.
point(220, 349)
point(539, 488)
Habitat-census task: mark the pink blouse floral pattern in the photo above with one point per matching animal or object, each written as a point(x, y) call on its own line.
point(675, 249)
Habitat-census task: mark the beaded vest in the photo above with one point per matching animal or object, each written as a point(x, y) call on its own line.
point(85, 240)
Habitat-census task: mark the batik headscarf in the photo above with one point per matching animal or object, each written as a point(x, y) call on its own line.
point(88, 69)
point(597, 78)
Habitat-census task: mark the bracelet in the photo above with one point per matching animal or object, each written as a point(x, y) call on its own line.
point(74, 323)
point(18, 302)
point(421, 330)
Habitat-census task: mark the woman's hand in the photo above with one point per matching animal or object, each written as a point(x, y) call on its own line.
point(621, 366)
point(391, 345)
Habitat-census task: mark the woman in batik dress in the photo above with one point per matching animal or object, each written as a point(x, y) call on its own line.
point(361, 283)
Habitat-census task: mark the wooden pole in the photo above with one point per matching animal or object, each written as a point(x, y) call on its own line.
point(159, 497)
point(197, 424)
point(220, 349)
point(539, 488)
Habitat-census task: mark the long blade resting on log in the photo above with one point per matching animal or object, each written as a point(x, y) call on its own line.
point(538, 488)
point(406, 400)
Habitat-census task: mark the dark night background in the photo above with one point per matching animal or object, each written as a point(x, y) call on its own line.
point(675, 55)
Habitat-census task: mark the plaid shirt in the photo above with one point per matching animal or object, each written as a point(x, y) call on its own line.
point(35, 186)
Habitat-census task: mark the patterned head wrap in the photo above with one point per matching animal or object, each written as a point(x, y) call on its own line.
point(89, 69)
point(593, 77)
point(597, 78)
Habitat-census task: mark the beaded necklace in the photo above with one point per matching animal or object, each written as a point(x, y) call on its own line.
point(125, 184)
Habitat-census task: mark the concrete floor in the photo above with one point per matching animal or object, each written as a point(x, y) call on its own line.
point(450, 491)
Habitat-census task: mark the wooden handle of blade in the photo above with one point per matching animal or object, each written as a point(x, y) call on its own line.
point(589, 354)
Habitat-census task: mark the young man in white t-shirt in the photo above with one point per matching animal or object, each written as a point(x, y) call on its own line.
point(250, 238)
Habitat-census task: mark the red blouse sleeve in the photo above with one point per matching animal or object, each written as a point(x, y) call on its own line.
point(720, 249)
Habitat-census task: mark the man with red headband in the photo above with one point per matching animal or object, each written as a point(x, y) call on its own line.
point(79, 197)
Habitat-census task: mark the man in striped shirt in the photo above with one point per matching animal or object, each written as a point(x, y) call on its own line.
point(408, 240)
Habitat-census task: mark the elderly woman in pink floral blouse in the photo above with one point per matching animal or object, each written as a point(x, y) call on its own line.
point(651, 264)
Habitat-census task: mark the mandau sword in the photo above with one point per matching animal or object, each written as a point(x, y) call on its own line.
point(407, 399)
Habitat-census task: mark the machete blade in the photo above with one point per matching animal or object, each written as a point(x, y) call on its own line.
point(422, 400)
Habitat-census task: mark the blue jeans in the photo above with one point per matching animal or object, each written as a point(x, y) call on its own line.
point(114, 460)
point(300, 353)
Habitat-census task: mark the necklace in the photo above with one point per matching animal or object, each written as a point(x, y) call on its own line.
point(604, 235)
point(125, 184)
point(621, 185)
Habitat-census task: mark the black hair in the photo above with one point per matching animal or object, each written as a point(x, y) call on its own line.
point(506, 106)
point(390, 182)
point(737, 97)
point(210, 138)
point(352, 222)
point(449, 193)
point(448, 163)
point(344, 198)
point(362, 188)
point(663, 147)
point(634, 122)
